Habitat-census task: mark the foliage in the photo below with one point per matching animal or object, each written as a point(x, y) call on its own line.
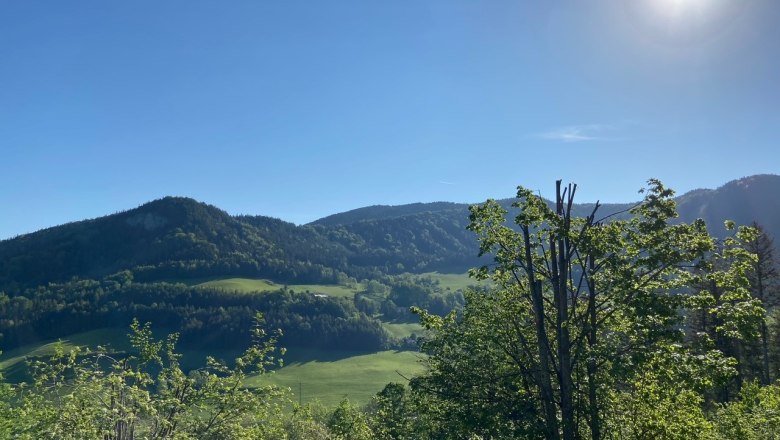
point(471, 373)
point(755, 415)
point(145, 395)
point(632, 325)
point(764, 287)
point(582, 312)
point(388, 411)
point(307, 422)
point(205, 317)
point(664, 399)
point(347, 422)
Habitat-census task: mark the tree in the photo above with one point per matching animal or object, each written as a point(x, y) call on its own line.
point(722, 313)
point(582, 305)
point(79, 394)
point(306, 422)
point(754, 415)
point(349, 423)
point(763, 278)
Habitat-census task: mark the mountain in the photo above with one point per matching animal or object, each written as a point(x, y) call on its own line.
point(383, 212)
point(106, 271)
point(745, 200)
point(174, 238)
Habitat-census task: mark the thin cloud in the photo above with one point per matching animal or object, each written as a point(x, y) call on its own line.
point(578, 133)
point(444, 182)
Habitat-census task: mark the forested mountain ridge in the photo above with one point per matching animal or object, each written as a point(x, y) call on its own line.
point(743, 200)
point(177, 237)
point(382, 212)
point(166, 238)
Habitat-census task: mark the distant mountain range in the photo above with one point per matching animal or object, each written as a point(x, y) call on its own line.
point(754, 198)
point(174, 238)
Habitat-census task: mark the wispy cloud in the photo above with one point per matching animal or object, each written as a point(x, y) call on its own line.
point(444, 182)
point(578, 133)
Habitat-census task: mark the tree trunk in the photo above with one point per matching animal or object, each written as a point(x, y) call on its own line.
point(545, 384)
point(595, 422)
point(560, 266)
point(764, 344)
point(765, 352)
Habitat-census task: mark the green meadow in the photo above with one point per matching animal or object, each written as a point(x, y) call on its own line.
point(453, 281)
point(12, 362)
point(400, 330)
point(326, 376)
point(249, 285)
point(329, 377)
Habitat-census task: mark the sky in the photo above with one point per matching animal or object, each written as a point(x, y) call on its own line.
point(298, 110)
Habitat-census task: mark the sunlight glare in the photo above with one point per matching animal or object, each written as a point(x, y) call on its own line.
point(683, 21)
point(681, 9)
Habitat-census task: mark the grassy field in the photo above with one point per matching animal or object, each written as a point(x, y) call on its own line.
point(329, 377)
point(13, 367)
point(325, 376)
point(452, 281)
point(244, 285)
point(248, 285)
point(400, 330)
point(322, 375)
point(12, 362)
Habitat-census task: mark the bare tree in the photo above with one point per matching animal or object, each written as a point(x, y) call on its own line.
point(763, 279)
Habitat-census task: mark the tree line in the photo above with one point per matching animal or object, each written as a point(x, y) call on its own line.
point(203, 317)
point(210, 317)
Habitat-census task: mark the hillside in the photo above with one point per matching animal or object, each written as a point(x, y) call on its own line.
point(169, 238)
point(383, 212)
point(180, 238)
point(743, 200)
point(192, 267)
point(166, 230)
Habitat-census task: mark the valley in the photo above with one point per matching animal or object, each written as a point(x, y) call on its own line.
point(340, 294)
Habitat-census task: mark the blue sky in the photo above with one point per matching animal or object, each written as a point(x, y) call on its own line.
point(302, 109)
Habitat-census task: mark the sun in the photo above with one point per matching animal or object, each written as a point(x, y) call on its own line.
point(682, 9)
point(682, 22)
